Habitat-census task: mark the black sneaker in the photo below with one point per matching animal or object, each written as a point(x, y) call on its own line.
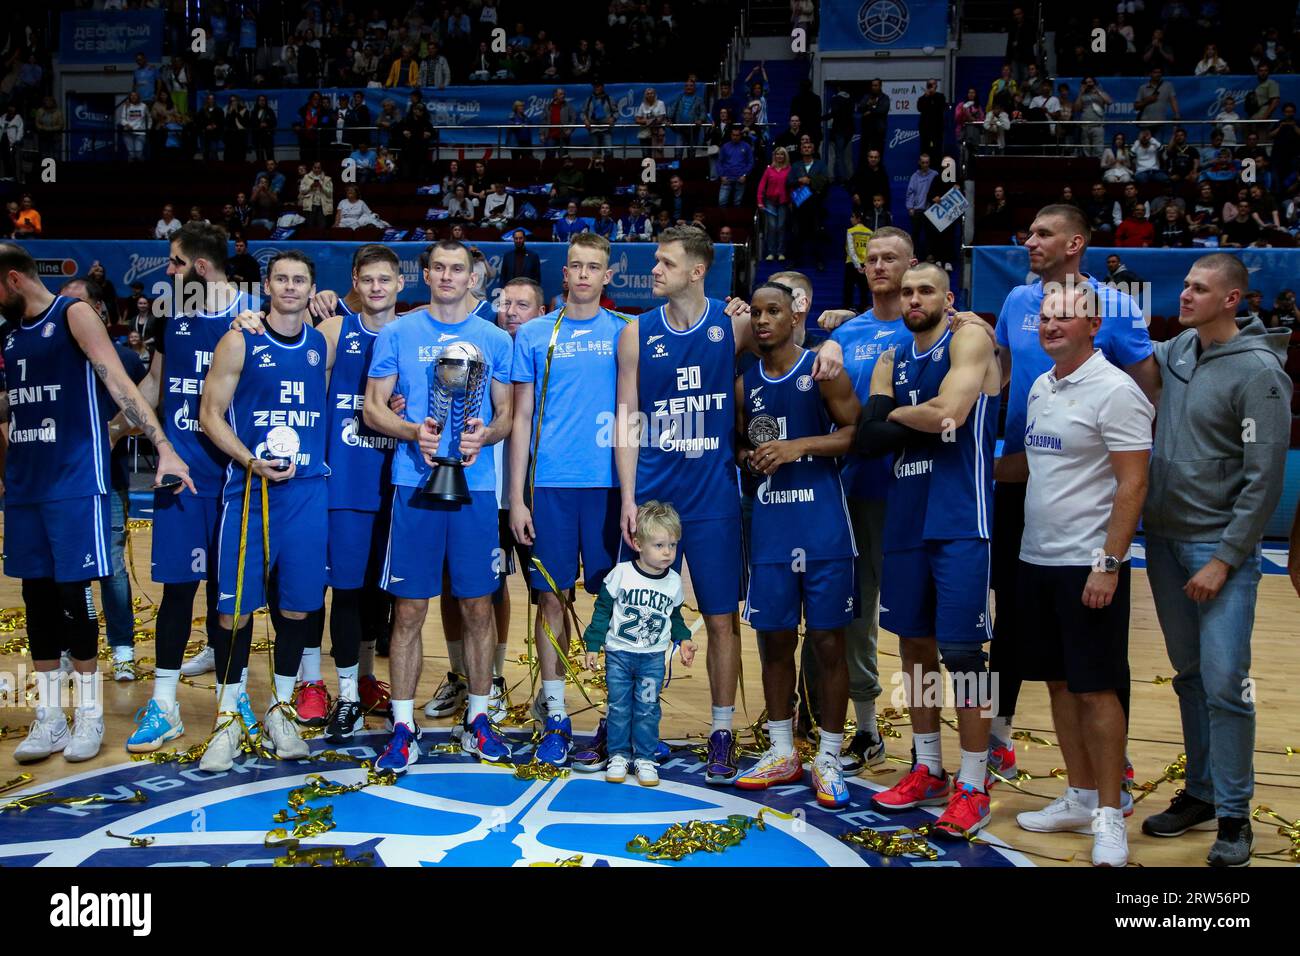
point(864, 750)
point(345, 720)
point(1232, 847)
point(1185, 813)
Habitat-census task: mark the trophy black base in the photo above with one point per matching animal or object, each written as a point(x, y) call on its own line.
point(447, 482)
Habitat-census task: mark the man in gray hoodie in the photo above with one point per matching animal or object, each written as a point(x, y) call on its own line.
point(1216, 475)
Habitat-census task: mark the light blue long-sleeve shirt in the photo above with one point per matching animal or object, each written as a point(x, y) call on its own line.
point(917, 188)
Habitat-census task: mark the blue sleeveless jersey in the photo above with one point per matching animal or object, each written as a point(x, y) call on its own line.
point(802, 505)
point(360, 459)
point(281, 384)
point(686, 390)
point(917, 377)
point(58, 436)
point(188, 343)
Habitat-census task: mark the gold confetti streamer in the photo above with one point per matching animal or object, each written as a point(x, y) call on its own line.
point(895, 843)
point(540, 771)
point(1026, 737)
point(571, 861)
point(1289, 831)
point(682, 839)
point(1174, 771)
point(47, 799)
point(322, 856)
point(307, 821)
point(134, 841)
point(16, 782)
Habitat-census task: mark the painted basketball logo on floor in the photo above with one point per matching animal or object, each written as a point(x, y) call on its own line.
point(448, 810)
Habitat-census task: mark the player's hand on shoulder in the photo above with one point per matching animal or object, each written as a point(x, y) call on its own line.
point(249, 321)
point(959, 320)
point(828, 362)
point(322, 304)
point(736, 307)
point(832, 319)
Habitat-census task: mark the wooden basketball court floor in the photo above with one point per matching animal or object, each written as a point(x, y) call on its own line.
point(1155, 736)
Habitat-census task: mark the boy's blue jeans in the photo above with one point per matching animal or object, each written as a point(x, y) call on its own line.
point(632, 680)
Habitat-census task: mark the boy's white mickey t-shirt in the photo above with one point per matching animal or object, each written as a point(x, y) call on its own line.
point(637, 612)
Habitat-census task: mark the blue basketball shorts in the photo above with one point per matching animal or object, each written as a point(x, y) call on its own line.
point(424, 534)
point(822, 595)
point(939, 590)
point(711, 548)
point(67, 540)
point(573, 522)
point(299, 524)
point(357, 542)
point(185, 529)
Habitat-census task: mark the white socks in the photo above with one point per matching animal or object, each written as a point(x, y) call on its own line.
point(830, 744)
point(227, 695)
point(722, 718)
point(367, 660)
point(1001, 729)
point(309, 669)
point(974, 768)
point(478, 704)
point(553, 694)
point(164, 687)
point(404, 713)
point(88, 702)
point(929, 752)
point(782, 734)
point(49, 705)
point(499, 661)
point(456, 655)
point(348, 683)
point(284, 688)
point(865, 712)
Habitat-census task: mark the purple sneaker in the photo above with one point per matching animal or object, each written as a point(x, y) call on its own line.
point(595, 755)
point(722, 769)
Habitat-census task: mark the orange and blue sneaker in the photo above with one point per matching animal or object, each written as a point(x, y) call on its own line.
point(919, 788)
point(484, 741)
point(828, 782)
point(967, 813)
point(312, 703)
point(1002, 759)
point(772, 770)
point(402, 749)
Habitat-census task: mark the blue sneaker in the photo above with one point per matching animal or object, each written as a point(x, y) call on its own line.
point(554, 748)
point(662, 752)
point(594, 756)
point(721, 769)
point(484, 741)
point(402, 750)
point(154, 727)
point(245, 708)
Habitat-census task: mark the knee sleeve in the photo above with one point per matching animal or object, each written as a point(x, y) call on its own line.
point(230, 653)
point(967, 665)
point(174, 622)
point(345, 626)
point(44, 617)
point(80, 621)
point(376, 613)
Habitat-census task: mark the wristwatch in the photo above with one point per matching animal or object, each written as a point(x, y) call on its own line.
point(1110, 564)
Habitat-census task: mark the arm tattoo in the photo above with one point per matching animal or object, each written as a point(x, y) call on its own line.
point(130, 408)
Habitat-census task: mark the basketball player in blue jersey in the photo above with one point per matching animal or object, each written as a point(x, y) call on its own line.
point(866, 480)
point(675, 443)
point(58, 361)
point(185, 527)
point(934, 592)
point(426, 535)
point(564, 505)
point(264, 405)
point(801, 550)
point(1058, 239)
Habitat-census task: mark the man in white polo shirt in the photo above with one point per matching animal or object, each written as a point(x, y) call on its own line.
point(1087, 441)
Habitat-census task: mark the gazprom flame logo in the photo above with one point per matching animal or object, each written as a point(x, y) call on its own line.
point(182, 418)
point(350, 428)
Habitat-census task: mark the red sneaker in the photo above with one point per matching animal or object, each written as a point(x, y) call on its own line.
point(374, 695)
point(1002, 758)
point(967, 813)
point(312, 704)
point(919, 788)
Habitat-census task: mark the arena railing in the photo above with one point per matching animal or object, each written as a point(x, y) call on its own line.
point(1064, 137)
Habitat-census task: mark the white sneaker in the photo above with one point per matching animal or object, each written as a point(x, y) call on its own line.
point(1110, 838)
point(87, 737)
point(223, 745)
point(497, 703)
point(48, 735)
point(450, 697)
point(616, 769)
point(204, 662)
point(124, 668)
point(286, 741)
point(647, 773)
point(1062, 815)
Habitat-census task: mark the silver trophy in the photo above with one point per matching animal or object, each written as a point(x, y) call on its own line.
point(455, 396)
point(761, 430)
point(282, 444)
